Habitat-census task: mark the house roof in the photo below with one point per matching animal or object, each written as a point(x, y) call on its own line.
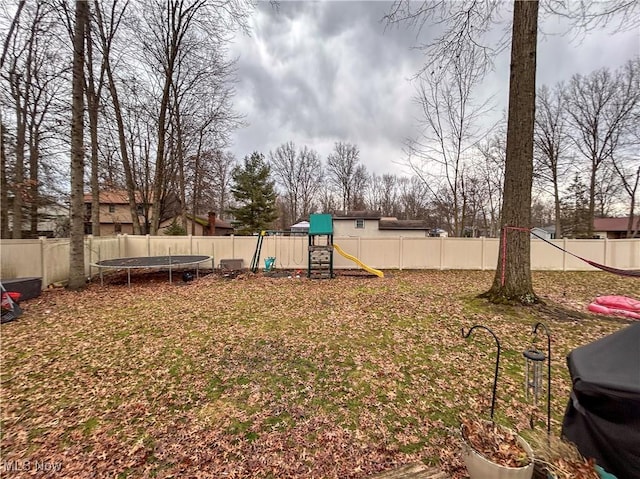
point(394, 224)
point(351, 215)
point(301, 225)
point(116, 197)
point(614, 224)
point(205, 222)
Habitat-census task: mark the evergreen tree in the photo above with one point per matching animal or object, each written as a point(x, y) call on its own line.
point(255, 194)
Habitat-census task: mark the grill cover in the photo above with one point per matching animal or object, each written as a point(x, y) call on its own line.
point(603, 414)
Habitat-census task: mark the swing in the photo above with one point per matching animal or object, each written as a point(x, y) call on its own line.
point(295, 240)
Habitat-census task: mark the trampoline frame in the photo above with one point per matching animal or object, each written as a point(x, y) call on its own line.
point(152, 262)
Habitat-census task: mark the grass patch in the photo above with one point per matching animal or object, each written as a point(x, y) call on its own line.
point(265, 377)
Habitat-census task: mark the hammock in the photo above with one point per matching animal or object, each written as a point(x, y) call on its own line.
point(609, 269)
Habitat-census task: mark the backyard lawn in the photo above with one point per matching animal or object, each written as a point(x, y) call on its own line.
point(275, 378)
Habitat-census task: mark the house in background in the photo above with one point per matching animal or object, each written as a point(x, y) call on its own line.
point(615, 228)
point(372, 224)
point(53, 220)
point(209, 226)
point(115, 215)
point(548, 232)
point(300, 228)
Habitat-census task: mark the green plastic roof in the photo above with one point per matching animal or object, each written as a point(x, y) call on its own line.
point(320, 224)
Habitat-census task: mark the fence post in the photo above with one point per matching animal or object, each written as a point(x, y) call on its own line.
point(45, 280)
point(89, 244)
point(564, 253)
point(441, 252)
point(482, 254)
point(400, 253)
point(606, 251)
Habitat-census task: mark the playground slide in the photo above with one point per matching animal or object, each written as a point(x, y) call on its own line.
point(368, 269)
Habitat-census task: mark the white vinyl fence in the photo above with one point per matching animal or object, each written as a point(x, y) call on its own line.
point(49, 258)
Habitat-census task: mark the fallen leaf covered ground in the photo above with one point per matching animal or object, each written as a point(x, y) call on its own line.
point(259, 377)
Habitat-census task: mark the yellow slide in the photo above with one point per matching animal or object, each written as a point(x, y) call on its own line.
point(369, 269)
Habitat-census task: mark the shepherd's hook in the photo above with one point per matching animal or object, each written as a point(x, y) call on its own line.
point(495, 377)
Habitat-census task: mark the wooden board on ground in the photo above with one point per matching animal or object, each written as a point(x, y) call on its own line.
point(416, 470)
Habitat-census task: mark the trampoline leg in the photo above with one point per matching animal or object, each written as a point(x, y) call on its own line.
point(170, 279)
point(101, 282)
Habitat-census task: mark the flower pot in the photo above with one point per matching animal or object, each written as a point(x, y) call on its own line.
point(479, 467)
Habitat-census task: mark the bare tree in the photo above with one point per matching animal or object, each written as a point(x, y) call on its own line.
point(107, 27)
point(14, 23)
point(172, 32)
point(449, 131)
point(220, 167)
point(466, 24)
point(284, 166)
point(490, 171)
point(626, 163)
point(20, 73)
point(551, 142)
point(512, 281)
point(32, 81)
point(76, 254)
point(412, 198)
point(599, 105)
point(310, 178)
point(298, 173)
point(4, 197)
point(342, 171)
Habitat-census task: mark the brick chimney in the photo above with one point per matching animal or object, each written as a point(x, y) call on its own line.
point(212, 223)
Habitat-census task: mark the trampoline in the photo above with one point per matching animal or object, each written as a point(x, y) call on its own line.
point(157, 262)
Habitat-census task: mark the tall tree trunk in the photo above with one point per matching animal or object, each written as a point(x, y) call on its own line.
point(105, 40)
point(34, 195)
point(592, 200)
point(18, 171)
point(513, 282)
point(4, 197)
point(558, 208)
point(159, 178)
point(196, 182)
point(76, 254)
point(182, 187)
point(93, 105)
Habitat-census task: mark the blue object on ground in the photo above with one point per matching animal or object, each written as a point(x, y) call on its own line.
point(604, 474)
point(268, 263)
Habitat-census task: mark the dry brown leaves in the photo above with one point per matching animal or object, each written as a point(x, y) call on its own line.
point(264, 377)
point(496, 443)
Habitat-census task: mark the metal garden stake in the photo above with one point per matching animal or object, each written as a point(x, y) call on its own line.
point(495, 376)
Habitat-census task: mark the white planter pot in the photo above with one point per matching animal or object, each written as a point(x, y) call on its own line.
point(480, 467)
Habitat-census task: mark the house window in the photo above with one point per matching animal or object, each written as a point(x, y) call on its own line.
point(112, 208)
point(140, 209)
point(117, 228)
point(360, 223)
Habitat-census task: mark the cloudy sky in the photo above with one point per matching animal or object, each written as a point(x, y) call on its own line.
point(319, 72)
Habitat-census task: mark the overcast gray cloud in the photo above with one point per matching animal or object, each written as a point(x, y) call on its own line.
point(319, 72)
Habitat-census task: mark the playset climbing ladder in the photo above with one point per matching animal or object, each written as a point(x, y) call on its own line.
point(320, 265)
